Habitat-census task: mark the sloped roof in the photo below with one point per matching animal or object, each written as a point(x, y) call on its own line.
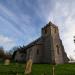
point(36, 42)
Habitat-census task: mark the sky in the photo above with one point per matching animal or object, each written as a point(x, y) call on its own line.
point(21, 21)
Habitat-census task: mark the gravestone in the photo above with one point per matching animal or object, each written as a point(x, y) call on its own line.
point(28, 67)
point(16, 73)
point(7, 62)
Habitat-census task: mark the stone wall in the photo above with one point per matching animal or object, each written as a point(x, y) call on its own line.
point(52, 45)
point(56, 45)
point(20, 57)
point(48, 48)
point(35, 53)
point(47, 44)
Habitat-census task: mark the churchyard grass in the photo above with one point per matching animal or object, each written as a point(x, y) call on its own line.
point(37, 69)
point(65, 69)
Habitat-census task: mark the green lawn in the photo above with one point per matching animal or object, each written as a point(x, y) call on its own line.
point(37, 69)
point(65, 69)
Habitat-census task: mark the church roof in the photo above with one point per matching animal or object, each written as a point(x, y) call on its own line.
point(36, 42)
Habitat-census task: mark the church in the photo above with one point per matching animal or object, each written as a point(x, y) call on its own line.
point(48, 48)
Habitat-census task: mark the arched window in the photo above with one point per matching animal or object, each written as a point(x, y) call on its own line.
point(57, 47)
point(37, 52)
point(45, 31)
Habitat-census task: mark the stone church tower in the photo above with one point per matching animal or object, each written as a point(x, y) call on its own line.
point(48, 48)
point(52, 46)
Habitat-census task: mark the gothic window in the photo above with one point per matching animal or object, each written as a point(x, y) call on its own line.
point(57, 47)
point(45, 31)
point(37, 52)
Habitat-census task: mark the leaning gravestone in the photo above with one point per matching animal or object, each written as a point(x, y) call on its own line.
point(7, 62)
point(28, 67)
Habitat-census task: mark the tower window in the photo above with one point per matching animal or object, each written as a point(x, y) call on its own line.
point(45, 31)
point(57, 47)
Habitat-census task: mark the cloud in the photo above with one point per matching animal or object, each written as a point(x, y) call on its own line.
point(21, 22)
point(6, 42)
point(27, 16)
point(10, 17)
point(61, 13)
point(63, 16)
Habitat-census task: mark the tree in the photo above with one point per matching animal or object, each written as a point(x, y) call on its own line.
point(7, 55)
point(71, 58)
point(19, 49)
point(12, 51)
point(2, 52)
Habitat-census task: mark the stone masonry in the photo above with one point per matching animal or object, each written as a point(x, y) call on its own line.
point(48, 48)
